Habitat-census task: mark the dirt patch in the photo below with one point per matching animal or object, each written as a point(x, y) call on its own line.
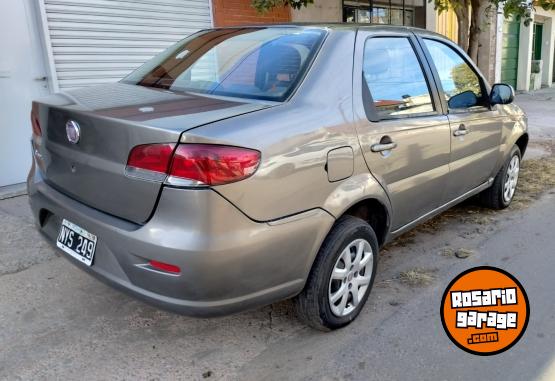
point(460, 253)
point(536, 177)
point(403, 240)
point(417, 277)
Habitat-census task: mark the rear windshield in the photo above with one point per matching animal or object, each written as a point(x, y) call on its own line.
point(259, 63)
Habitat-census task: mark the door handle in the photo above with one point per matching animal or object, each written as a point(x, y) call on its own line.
point(461, 131)
point(383, 147)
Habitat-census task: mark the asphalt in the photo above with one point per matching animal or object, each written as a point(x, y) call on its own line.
point(57, 322)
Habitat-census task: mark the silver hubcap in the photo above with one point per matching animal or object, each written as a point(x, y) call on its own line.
point(511, 179)
point(350, 277)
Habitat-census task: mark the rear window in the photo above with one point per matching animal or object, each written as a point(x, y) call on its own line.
point(259, 63)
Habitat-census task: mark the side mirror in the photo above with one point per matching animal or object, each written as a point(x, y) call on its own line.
point(463, 100)
point(501, 94)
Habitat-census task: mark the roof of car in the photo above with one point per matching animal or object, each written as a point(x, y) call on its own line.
point(342, 26)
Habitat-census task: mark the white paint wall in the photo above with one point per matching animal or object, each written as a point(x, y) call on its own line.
point(431, 17)
point(21, 69)
point(524, 57)
point(548, 43)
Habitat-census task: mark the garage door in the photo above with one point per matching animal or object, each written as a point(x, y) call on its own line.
point(509, 52)
point(100, 41)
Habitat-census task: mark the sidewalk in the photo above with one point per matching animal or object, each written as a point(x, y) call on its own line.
point(540, 107)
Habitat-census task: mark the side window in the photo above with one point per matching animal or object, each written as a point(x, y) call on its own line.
point(395, 78)
point(461, 84)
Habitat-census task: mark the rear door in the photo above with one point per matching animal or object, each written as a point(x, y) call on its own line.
point(475, 127)
point(402, 130)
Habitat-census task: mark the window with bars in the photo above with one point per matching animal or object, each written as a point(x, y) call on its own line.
point(393, 12)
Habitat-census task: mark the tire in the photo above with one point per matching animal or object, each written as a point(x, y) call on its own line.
point(495, 197)
point(349, 236)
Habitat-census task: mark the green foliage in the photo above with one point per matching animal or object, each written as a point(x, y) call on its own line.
point(263, 6)
point(548, 5)
point(511, 8)
point(445, 5)
point(516, 9)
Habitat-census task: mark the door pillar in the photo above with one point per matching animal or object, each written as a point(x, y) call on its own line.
point(525, 56)
point(548, 45)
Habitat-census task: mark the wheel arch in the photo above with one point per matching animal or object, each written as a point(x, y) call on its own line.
point(375, 213)
point(522, 142)
point(362, 196)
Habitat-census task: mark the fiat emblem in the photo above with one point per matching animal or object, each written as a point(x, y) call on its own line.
point(73, 132)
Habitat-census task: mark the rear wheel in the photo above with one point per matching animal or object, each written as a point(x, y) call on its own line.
point(341, 277)
point(502, 191)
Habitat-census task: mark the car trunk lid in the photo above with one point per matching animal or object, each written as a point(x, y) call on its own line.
point(112, 120)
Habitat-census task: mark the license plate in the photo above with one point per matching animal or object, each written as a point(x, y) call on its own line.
point(77, 242)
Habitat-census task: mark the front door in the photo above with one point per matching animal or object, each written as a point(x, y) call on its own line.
point(475, 128)
point(22, 79)
point(403, 133)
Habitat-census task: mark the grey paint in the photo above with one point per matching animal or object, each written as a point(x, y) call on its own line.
point(114, 119)
point(264, 231)
point(218, 249)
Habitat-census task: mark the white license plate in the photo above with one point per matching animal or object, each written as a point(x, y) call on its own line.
point(77, 242)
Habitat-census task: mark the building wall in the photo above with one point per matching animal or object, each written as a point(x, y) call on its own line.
point(547, 18)
point(447, 24)
point(240, 12)
point(320, 11)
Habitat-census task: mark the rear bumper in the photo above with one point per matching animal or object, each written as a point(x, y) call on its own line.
point(228, 262)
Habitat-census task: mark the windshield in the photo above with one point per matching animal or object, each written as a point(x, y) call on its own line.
point(259, 63)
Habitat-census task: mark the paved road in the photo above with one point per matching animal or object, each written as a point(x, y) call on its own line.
point(57, 322)
point(409, 343)
point(540, 107)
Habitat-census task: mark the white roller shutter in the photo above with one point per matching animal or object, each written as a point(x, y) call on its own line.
point(101, 41)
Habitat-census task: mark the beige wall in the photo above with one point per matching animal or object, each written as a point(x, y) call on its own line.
point(320, 11)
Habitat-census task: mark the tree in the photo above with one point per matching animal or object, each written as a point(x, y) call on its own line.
point(263, 6)
point(474, 15)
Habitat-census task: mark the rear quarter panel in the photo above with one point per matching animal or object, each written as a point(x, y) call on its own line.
point(294, 139)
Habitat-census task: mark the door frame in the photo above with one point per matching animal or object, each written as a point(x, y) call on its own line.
point(431, 36)
point(361, 108)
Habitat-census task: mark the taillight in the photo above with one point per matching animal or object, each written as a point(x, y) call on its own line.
point(192, 164)
point(35, 120)
point(151, 157)
point(213, 164)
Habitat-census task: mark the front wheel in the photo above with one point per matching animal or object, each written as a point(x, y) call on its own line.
point(341, 277)
point(502, 191)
